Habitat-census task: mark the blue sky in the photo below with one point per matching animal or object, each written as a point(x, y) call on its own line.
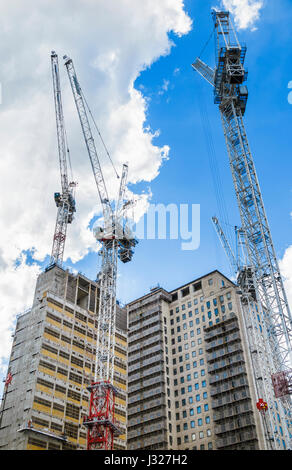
point(186, 177)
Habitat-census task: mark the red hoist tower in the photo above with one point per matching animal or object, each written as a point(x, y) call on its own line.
point(117, 242)
point(266, 313)
point(65, 200)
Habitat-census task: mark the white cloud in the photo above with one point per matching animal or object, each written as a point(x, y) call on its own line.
point(164, 87)
point(246, 12)
point(111, 43)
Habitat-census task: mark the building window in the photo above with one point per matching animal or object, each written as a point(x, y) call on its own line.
point(185, 292)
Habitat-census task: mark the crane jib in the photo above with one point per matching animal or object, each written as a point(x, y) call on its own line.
point(77, 86)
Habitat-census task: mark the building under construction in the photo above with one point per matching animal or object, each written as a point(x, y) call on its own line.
point(52, 364)
point(183, 370)
point(206, 366)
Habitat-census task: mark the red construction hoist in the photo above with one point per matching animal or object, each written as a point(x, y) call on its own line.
point(117, 241)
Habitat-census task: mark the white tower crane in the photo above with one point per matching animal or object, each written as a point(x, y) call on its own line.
point(65, 201)
point(117, 241)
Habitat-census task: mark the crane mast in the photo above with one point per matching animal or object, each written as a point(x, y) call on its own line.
point(65, 201)
point(116, 243)
point(255, 333)
point(263, 291)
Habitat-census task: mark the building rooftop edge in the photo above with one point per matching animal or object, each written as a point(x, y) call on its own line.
point(161, 289)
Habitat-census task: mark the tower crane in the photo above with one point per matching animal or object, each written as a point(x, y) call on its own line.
point(117, 242)
point(256, 332)
point(65, 200)
point(261, 273)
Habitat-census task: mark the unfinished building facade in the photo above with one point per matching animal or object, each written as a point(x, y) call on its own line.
point(52, 363)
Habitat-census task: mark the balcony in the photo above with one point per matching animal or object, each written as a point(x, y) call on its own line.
point(232, 412)
point(236, 439)
point(228, 387)
point(229, 400)
point(224, 376)
point(234, 425)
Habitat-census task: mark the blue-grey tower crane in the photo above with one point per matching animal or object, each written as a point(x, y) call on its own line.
point(262, 273)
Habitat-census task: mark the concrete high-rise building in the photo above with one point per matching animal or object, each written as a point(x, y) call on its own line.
point(190, 380)
point(52, 363)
